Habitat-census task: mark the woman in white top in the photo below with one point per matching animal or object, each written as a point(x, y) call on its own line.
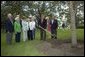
point(24, 28)
point(31, 27)
point(33, 31)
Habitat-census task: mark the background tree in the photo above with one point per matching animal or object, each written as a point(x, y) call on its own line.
point(73, 27)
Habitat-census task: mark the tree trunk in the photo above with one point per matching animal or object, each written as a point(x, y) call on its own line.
point(73, 28)
point(75, 10)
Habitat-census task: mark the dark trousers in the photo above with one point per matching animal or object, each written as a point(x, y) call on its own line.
point(54, 32)
point(30, 35)
point(17, 38)
point(9, 37)
point(42, 34)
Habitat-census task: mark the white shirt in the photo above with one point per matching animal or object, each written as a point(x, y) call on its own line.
point(24, 25)
point(52, 21)
point(32, 25)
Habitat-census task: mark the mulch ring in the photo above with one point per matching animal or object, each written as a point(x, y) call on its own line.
point(66, 46)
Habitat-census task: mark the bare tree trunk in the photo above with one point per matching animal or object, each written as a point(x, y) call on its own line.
point(75, 10)
point(73, 28)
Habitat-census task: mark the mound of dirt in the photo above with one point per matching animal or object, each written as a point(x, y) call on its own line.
point(57, 48)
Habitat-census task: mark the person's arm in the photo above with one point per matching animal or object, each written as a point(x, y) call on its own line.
point(45, 23)
point(7, 26)
point(22, 24)
point(27, 26)
point(34, 25)
point(56, 24)
point(50, 22)
point(15, 27)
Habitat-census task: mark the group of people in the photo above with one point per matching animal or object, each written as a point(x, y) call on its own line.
point(18, 25)
point(50, 24)
point(26, 26)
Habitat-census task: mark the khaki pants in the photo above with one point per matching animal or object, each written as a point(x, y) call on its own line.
point(24, 35)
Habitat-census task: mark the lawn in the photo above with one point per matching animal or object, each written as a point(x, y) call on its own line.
point(66, 35)
point(20, 49)
point(28, 48)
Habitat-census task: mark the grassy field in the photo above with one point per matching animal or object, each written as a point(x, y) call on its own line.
point(28, 48)
point(19, 49)
point(66, 35)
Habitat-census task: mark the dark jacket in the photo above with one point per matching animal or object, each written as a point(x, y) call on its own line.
point(43, 24)
point(54, 25)
point(9, 26)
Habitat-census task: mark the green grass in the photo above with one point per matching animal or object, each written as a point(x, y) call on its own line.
point(28, 48)
point(21, 49)
point(66, 34)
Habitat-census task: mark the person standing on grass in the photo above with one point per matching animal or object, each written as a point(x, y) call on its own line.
point(17, 28)
point(9, 28)
point(64, 21)
point(28, 30)
point(42, 23)
point(54, 26)
point(24, 28)
point(63, 25)
point(33, 31)
point(48, 24)
point(31, 27)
